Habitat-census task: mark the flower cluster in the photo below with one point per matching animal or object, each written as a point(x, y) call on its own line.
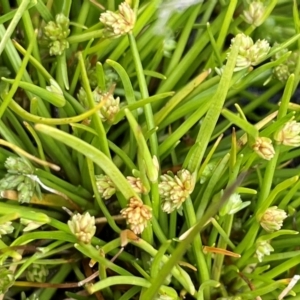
point(32, 297)
point(30, 225)
point(137, 184)
point(250, 53)
point(174, 190)
point(57, 33)
point(208, 171)
point(169, 44)
point(18, 178)
point(118, 24)
point(37, 273)
point(83, 227)
point(272, 219)
point(262, 249)
point(233, 205)
point(110, 108)
point(111, 77)
point(254, 14)
point(6, 228)
point(288, 134)
point(91, 73)
point(264, 148)
point(55, 88)
point(137, 215)
point(105, 186)
point(6, 280)
point(285, 69)
point(111, 105)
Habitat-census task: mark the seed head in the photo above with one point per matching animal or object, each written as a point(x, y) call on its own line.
point(250, 53)
point(137, 215)
point(6, 228)
point(82, 97)
point(11, 181)
point(289, 134)
point(281, 72)
point(258, 51)
point(55, 88)
point(137, 184)
point(16, 165)
point(174, 190)
point(110, 108)
point(30, 225)
point(105, 186)
point(285, 69)
point(7, 279)
point(118, 24)
point(37, 273)
point(26, 190)
point(208, 170)
point(263, 248)
point(57, 33)
point(272, 219)
point(253, 15)
point(156, 163)
point(263, 147)
point(169, 44)
point(233, 205)
point(111, 105)
point(83, 227)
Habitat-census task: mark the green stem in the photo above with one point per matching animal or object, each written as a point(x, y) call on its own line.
point(226, 23)
point(18, 110)
point(82, 37)
point(144, 93)
point(182, 42)
point(202, 268)
point(13, 24)
point(30, 33)
point(95, 155)
point(82, 17)
point(15, 85)
point(96, 118)
point(62, 71)
point(219, 259)
point(111, 5)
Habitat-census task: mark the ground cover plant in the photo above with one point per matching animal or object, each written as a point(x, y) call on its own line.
point(149, 149)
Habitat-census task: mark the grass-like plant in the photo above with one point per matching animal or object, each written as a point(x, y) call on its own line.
point(149, 149)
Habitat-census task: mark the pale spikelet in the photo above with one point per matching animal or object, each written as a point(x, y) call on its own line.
point(250, 53)
point(263, 147)
point(118, 24)
point(263, 249)
point(30, 225)
point(37, 273)
point(83, 227)
point(289, 134)
point(137, 215)
point(174, 190)
point(105, 186)
point(272, 219)
point(7, 279)
point(6, 228)
point(137, 184)
point(254, 14)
